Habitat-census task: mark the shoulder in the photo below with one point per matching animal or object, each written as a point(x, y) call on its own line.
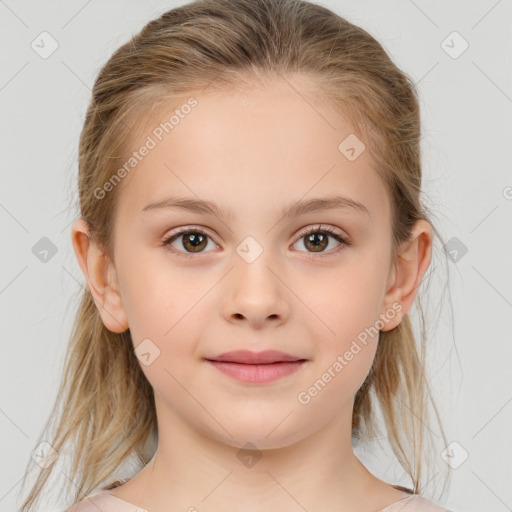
point(415, 503)
point(101, 501)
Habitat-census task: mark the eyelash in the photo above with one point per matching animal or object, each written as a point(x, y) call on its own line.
point(315, 229)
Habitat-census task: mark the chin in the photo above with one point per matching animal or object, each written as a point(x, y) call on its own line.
point(264, 436)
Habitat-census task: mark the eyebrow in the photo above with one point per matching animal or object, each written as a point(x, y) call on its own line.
point(294, 209)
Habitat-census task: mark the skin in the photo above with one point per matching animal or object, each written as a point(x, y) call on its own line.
point(253, 151)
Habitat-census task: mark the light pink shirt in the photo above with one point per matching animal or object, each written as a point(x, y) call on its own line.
point(106, 502)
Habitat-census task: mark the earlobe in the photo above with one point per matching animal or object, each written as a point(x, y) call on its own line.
point(101, 278)
point(407, 272)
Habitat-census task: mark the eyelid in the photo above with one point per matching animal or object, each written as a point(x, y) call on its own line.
point(186, 229)
point(323, 227)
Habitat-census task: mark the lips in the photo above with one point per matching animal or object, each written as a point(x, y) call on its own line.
point(248, 357)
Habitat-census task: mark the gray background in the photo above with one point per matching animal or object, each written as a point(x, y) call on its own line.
point(466, 103)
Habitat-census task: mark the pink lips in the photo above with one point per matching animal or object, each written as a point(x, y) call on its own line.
point(256, 367)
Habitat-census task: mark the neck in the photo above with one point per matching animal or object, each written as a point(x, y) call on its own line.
point(192, 471)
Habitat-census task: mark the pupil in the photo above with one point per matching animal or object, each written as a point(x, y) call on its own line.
point(195, 240)
point(319, 240)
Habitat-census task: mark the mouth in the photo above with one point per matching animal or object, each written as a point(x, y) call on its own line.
point(248, 357)
point(261, 367)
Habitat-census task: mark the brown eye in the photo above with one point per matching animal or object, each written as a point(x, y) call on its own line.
point(192, 241)
point(317, 239)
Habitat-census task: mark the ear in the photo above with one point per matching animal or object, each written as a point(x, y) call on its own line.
point(406, 274)
point(101, 277)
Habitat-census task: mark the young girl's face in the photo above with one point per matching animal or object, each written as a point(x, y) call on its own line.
point(255, 280)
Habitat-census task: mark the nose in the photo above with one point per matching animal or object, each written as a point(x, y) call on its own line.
point(255, 293)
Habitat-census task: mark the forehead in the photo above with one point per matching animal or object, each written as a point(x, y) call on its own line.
point(251, 150)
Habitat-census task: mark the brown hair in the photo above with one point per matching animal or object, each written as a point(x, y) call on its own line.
point(107, 412)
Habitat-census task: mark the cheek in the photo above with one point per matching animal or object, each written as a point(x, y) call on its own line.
point(346, 301)
point(152, 300)
point(347, 307)
point(151, 287)
point(162, 305)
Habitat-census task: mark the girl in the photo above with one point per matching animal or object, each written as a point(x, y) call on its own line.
point(252, 238)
